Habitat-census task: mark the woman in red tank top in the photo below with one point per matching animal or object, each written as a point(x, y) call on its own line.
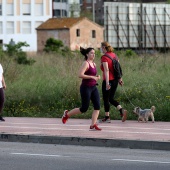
point(88, 89)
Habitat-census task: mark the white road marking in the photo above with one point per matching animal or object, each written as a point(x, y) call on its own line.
point(30, 154)
point(143, 161)
point(123, 160)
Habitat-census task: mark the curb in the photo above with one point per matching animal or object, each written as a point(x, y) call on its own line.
point(131, 144)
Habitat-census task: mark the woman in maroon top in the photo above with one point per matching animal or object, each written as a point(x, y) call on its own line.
point(88, 89)
point(110, 83)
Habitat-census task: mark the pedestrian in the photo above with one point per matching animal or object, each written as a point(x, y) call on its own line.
point(88, 89)
point(110, 83)
point(2, 96)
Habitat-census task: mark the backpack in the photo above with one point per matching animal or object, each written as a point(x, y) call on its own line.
point(116, 67)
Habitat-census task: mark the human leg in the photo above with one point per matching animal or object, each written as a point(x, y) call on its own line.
point(85, 100)
point(70, 113)
point(2, 99)
point(123, 112)
point(93, 125)
point(106, 95)
point(95, 98)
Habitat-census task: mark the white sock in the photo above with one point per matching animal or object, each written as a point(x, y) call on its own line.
point(119, 107)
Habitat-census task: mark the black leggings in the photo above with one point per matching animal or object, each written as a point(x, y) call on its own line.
point(108, 95)
point(89, 93)
point(2, 98)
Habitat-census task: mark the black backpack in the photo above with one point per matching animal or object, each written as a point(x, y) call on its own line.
point(116, 67)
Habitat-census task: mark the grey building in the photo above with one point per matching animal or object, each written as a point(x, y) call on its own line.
point(99, 7)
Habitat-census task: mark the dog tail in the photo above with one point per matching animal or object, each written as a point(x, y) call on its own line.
point(153, 108)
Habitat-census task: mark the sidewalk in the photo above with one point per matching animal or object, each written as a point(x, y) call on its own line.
point(129, 134)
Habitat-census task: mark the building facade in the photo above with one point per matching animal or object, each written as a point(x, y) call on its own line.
point(66, 8)
point(137, 26)
point(73, 32)
point(99, 7)
point(19, 18)
point(87, 5)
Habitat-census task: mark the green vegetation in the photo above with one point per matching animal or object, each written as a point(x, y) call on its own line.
point(51, 85)
point(15, 52)
point(53, 45)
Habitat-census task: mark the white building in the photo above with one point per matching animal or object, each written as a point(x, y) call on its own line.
point(66, 8)
point(19, 18)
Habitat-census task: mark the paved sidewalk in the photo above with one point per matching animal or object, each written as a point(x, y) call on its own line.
point(129, 134)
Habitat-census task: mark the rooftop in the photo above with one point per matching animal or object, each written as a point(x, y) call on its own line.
point(60, 23)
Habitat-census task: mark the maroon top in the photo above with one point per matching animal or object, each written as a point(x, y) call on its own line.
point(91, 72)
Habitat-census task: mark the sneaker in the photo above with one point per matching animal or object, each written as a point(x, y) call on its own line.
point(94, 127)
point(2, 119)
point(124, 115)
point(65, 117)
point(105, 120)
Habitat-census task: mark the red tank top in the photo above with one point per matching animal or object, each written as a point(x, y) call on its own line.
point(91, 72)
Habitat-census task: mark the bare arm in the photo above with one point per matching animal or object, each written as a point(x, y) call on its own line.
point(106, 73)
point(3, 82)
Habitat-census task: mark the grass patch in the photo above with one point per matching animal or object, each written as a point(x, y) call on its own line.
point(51, 85)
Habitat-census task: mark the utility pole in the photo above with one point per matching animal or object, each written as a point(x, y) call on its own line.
point(94, 1)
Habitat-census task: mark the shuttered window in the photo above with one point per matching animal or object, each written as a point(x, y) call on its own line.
point(10, 27)
point(26, 9)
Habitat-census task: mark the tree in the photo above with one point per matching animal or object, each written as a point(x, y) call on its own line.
point(15, 51)
point(53, 45)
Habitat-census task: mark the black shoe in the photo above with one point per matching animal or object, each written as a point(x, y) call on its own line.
point(1, 118)
point(105, 120)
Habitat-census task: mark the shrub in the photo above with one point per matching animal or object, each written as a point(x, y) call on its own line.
point(53, 45)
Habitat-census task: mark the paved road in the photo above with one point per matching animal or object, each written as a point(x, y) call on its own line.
point(32, 156)
point(129, 134)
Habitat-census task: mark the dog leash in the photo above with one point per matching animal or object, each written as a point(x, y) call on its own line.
point(127, 97)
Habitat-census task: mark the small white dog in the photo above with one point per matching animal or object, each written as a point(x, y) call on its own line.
point(144, 114)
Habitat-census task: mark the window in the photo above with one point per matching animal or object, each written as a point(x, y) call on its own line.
point(38, 9)
point(57, 13)
point(10, 27)
point(93, 34)
point(1, 32)
point(0, 9)
point(26, 9)
point(10, 9)
point(26, 27)
point(60, 13)
point(78, 32)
